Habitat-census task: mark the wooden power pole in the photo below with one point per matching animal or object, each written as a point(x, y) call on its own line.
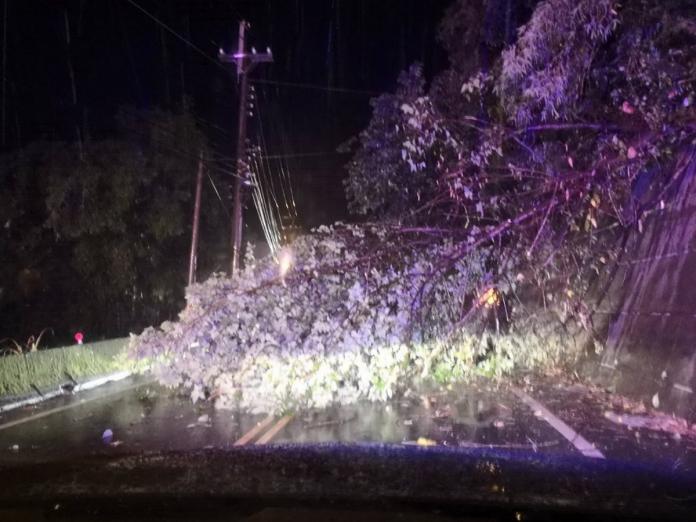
point(245, 63)
point(193, 259)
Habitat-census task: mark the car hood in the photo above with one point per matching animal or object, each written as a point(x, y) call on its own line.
point(361, 473)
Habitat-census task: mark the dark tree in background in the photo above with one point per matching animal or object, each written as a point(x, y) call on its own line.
point(98, 233)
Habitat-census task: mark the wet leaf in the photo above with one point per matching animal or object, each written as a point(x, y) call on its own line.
point(656, 401)
point(107, 436)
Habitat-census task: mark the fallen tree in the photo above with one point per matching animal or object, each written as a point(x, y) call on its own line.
point(499, 193)
point(351, 320)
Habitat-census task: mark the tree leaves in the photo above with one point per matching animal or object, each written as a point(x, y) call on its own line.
point(108, 221)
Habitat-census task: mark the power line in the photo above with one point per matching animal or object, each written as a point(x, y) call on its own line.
point(299, 85)
point(285, 176)
point(281, 83)
point(217, 193)
point(173, 32)
point(170, 132)
point(303, 154)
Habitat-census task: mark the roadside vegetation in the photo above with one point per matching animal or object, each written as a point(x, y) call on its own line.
point(46, 370)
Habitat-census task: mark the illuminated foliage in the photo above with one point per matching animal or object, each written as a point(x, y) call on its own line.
point(384, 181)
point(541, 156)
point(349, 321)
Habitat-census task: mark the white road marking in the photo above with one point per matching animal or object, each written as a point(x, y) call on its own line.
point(46, 413)
point(581, 444)
point(88, 385)
point(31, 401)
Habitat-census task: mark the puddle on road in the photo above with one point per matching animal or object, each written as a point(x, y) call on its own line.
point(151, 418)
point(490, 419)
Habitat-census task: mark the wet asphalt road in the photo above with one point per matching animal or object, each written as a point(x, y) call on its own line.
point(144, 417)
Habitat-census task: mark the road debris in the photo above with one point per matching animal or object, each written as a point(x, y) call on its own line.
point(657, 422)
point(337, 422)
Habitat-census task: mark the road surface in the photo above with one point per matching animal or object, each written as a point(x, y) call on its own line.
point(136, 415)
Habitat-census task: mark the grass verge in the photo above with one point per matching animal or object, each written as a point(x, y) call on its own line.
point(46, 369)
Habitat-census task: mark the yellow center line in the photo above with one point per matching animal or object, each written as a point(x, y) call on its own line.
point(81, 402)
point(274, 430)
point(253, 432)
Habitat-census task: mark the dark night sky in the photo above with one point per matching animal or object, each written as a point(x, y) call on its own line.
point(121, 57)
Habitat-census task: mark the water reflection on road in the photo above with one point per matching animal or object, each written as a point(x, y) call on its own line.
point(146, 417)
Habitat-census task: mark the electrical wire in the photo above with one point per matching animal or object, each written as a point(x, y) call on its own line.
point(297, 85)
point(300, 85)
point(177, 35)
point(169, 132)
point(271, 185)
point(217, 193)
point(264, 191)
point(283, 172)
point(303, 155)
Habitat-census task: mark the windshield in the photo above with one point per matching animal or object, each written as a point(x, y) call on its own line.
point(434, 252)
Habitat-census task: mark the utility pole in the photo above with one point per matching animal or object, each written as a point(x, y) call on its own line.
point(245, 63)
point(193, 260)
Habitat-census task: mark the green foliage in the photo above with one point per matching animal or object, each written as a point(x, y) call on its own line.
point(32, 344)
point(382, 181)
point(329, 332)
point(536, 158)
point(46, 369)
point(544, 73)
point(103, 227)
